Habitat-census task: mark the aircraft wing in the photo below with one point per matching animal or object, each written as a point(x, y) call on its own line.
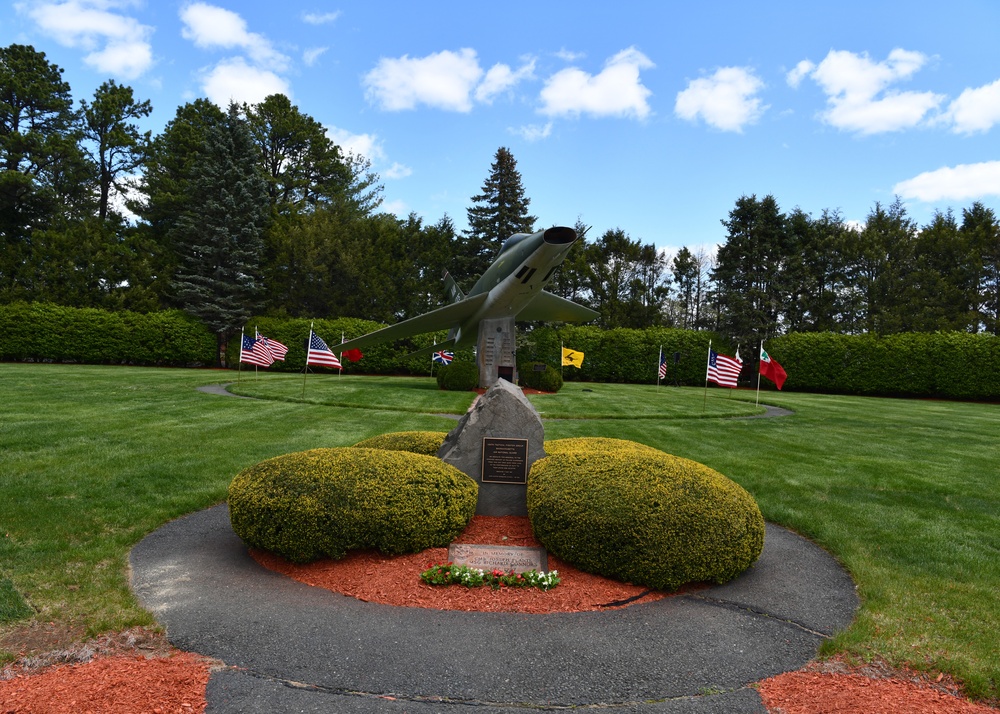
point(443, 318)
point(547, 307)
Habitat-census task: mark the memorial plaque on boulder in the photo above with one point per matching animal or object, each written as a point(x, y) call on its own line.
point(505, 558)
point(499, 437)
point(505, 460)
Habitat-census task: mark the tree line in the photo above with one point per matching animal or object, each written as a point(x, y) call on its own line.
point(252, 209)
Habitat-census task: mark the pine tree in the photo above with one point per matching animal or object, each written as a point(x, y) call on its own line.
point(498, 212)
point(219, 236)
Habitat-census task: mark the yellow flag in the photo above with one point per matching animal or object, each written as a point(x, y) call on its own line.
point(572, 358)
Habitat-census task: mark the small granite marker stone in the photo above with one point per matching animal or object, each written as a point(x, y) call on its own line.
point(505, 558)
point(509, 425)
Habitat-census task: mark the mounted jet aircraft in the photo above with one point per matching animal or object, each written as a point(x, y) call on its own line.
point(512, 287)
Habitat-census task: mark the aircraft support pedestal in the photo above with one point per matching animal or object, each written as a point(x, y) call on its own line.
point(496, 351)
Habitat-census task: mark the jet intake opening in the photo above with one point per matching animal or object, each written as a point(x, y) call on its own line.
point(560, 235)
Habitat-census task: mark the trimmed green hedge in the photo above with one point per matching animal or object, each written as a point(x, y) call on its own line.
point(948, 365)
point(43, 332)
point(622, 355)
point(953, 365)
point(427, 443)
point(631, 512)
point(309, 504)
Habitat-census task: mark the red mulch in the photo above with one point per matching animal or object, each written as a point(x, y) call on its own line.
point(122, 684)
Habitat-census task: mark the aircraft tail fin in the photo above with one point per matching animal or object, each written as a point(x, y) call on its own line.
point(455, 293)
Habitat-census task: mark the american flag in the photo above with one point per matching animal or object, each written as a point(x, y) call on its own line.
point(663, 365)
point(277, 350)
point(319, 354)
point(253, 352)
point(443, 357)
point(722, 370)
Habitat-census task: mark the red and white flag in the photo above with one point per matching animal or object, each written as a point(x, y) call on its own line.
point(770, 368)
point(319, 354)
point(723, 370)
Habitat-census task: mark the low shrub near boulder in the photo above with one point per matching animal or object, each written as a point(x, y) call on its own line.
point(541, 376)
point(458, 377)
point(309, 504)
point(417, 442)
point(637, 514)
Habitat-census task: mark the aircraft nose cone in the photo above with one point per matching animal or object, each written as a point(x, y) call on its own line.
point(559, 235)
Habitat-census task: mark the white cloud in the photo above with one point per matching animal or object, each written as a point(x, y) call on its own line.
point(617, 91)
point(367, 145)
point(397, 171)
point(501, 78)
point(397, 208)
point(117, 44)
point(860, 94)
point(212, 27)
point(727, 100)
point(533, 132)
point(975, 110)
point(320, 18)
point(235, 80)
point(802, 69)
point(444, 80)
point(570, 56)
point(959, 183)
point(310, 56)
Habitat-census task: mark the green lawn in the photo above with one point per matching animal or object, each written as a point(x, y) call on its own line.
point(905, 493)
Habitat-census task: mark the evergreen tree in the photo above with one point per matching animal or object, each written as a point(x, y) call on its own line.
point(118, 146)
point(219, 236)
point(814, 274)
point(980, 231)
point(303, 167)
point(170, 171)
point(44, 176)
point(942, 291)
point(749, 274)
point(498, 212)
point(880, 267)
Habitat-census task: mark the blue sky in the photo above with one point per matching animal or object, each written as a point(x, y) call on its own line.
point(652, 117)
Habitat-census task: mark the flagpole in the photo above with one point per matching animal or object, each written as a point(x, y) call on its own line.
point(757, 403)
point(659, 361)
point(305, 372)
point(239, 364)
point(562, 357)
point(340, 357)
point(708, 361)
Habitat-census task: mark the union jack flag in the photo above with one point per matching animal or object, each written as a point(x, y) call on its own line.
point(443, 357)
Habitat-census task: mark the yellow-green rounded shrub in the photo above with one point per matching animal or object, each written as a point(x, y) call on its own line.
point(600, 444)
point(416, 442)
point(643, 516)
point(309, 504)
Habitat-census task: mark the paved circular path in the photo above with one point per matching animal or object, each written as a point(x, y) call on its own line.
point(290, 647)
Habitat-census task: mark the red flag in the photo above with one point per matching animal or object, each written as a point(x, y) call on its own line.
point(771, 369)
point(353, 355)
